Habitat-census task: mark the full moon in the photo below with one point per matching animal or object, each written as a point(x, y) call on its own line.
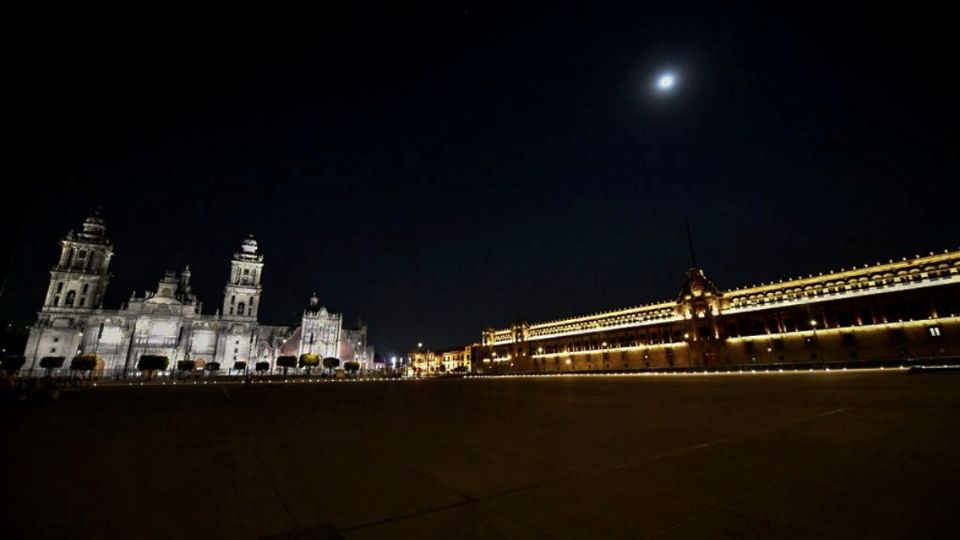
point(666, 81)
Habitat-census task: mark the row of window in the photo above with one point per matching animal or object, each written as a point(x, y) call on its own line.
point(241, 308)
point(77, 259)
point(920, 306)
point(847, 339)
point(667, 336)
point(627, 319)
point(887, 280)
point(844, 314)
point(69, 300)
point(656, 336)
point(71, 297)
point(245, 278)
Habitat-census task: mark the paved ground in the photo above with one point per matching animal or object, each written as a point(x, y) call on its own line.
point(865, 455)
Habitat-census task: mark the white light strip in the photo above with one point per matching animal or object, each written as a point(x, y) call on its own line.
point(842, 295)
point(705, 373)
point(953, 279)
point(594, 330)
point(858, 273)
point(860, 328)
point(603, 316)
point(671, 345)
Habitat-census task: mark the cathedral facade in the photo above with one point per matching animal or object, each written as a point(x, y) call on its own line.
point(169, 321)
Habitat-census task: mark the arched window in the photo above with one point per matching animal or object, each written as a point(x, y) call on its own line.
point(70, 297)
point(240, 309)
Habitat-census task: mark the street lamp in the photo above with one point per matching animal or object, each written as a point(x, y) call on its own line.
point(686, 348)
point(813, 324)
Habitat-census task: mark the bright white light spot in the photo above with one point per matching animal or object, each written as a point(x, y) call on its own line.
point(666, 81)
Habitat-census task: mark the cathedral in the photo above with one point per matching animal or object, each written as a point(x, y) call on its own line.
point(169, 321)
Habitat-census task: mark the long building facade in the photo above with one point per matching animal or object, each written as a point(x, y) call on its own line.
point(896, 310)
point(169, 321)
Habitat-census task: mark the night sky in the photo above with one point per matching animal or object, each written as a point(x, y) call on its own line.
point(438, 168)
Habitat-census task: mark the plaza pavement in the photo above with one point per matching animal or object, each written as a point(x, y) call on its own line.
point(812, 455)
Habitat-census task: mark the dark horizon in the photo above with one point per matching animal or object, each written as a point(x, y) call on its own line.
point(435, 170)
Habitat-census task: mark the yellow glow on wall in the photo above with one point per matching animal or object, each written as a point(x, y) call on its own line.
point(918, 272)
point(834, 331)
point(612, 349)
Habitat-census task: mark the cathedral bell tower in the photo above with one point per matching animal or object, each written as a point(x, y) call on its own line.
point(80, 278)
point(241, 296)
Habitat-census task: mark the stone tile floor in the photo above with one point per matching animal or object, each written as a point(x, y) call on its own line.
point(839, 455)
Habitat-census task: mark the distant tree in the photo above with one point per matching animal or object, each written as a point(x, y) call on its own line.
point(286, 362)
point(150, 363)
point(186, 367)
point(11, 364)
point(331, 363)
point(51, 363)
point(240, 366)
point(84, 363)
point(351, 367)
point(309, 361)
point(212, 368)
point(262, 367)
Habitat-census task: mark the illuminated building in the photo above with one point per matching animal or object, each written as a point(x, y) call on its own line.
point(454, 360)
point(169, 321)
point(886, 311)
point(424, 362)
point(319, 331)
point(354, 347)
